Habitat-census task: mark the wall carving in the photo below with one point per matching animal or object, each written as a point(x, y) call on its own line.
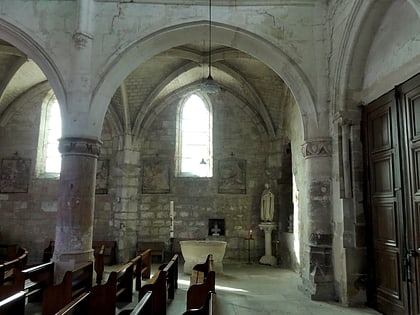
point(316, 148)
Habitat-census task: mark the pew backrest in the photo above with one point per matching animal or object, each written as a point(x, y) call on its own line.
point(146, 263)
point(125, 275)
point(157, 248)
point(99, 265)
point(75, 282)
point(103, 298)
point(110, 251)
point(157, 285)
point(143, 307)
point(8, 268)
point(35, 279)
point(14, 304)
point(207, 308)
point(171, 270)
point(77, 306)
point(202, 281)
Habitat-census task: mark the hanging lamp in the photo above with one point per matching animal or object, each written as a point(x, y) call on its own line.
point(210, 86)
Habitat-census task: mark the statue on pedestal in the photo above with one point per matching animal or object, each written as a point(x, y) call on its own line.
point(267, 225)
point(267, 205)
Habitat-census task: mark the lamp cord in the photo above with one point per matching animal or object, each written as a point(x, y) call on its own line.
point(210, 39)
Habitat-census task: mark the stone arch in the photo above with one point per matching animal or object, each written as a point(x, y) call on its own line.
point(34, 51)
point(354, 51)
point(124, 62)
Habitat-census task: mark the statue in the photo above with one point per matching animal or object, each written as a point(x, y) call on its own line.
point(267, 204)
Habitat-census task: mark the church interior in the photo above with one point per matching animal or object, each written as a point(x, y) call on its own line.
point(142, 121)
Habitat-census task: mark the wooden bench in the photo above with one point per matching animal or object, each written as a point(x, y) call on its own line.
point(77, 306)
point(157, 285)
point(202, 281)
point(75, 282)
point(142, 266)
point(143, 307)
point(171, 270)
point(99, 264)
point(110, 251)
point(14, 304)
point(157, 248)
point(48, 252)
point(16, 262)
point(124, 278)
point(206, 309)
point(102, 298)
point(35, 279)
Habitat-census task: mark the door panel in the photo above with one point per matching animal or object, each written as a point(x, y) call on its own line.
point(385, 206)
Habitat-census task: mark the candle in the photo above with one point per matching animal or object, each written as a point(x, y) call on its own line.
point(171, 214)
point(250, 234)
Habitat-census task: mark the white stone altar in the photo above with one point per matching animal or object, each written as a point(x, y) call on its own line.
point(268, 258)
point(196, 251)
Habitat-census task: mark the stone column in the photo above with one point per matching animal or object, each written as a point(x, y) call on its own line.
point(318, 276)
point(268, 228)
point(74, 229)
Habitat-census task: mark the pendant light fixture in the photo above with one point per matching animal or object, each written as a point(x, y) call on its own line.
point(210, 86)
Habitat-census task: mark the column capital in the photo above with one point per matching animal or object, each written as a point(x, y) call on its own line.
point(320, 147)
point(80, 146)
point(347, 117)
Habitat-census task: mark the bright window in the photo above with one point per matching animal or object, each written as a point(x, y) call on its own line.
point(49, 157)
point(195, 138)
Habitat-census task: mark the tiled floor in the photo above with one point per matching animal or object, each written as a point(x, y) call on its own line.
point(252, 290)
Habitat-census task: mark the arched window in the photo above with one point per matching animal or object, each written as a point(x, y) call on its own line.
point(49, 157)
point(194, 145)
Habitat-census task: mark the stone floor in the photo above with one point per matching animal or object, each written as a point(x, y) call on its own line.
point(255, 289)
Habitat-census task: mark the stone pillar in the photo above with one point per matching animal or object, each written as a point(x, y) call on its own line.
point(125, 207)
point(74, 229)
point(318, 276)
point(268, 258)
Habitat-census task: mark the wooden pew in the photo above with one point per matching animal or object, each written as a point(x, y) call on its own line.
point(102, 298)
point(171, 270)
point(143, 307)
point(77, 306)
point(146, 264)
point(206, 309)
point(48, 252)
point(8, 268)
point(125, 275)
point(35, 279)
point(110, 251)
point(202, 281)
point(157, 248)
point(74, 283)
point(99, 264)
point(14, 304)
point(157, 285)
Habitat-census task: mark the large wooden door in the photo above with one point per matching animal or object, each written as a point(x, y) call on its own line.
point(392, 146)
point(385, 206)
point(409, 100)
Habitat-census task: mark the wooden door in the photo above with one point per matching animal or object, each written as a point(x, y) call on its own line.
point(386, 210)
point(409, 99)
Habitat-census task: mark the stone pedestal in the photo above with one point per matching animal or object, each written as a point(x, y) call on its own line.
point(268, 258)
